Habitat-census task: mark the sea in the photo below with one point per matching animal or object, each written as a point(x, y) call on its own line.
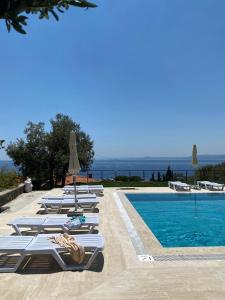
point(144, 167)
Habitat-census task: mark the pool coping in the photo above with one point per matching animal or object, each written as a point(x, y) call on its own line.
point(147, 246)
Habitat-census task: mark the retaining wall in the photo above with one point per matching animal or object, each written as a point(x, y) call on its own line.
point(8, 195)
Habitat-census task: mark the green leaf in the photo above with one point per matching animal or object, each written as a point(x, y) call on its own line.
point(18, 27)
point(59, 9)
point(22, 19)
point(41, 16)
point(54, 14)
point(7, 25)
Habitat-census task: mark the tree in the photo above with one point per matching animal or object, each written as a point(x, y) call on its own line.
point(45, 155)
point(158, 176)
point(58, 145)
point(11, 10)
point(169, 174)
point(153, 176)
point(31, 155)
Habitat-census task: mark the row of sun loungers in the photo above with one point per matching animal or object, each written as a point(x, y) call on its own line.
point(180, 186)
point(177, 185)
point(211, 185)
point(97, 189)
point(41, 244)
point(56, 205)
point(43, 223)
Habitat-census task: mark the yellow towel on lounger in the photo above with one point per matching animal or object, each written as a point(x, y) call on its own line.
point(76, 251)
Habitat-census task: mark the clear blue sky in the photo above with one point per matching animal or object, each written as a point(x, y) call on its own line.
point(141, 77)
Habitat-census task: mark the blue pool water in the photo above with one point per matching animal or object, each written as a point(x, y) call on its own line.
point(183, 220)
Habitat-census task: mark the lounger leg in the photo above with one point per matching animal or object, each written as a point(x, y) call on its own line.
point(65, 229)
point(17, 230)
point(59, 260)
point(91, 228)
point(46, 208)
point(58, 208)
point(92, 258)
point(15, 268)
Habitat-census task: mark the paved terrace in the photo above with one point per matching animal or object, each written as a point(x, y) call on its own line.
point(123, 275)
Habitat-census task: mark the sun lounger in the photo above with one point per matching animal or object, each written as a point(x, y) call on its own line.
point(57, 205)
point(40, 244)
point(211, 185)
point(96, 189)
point(40, 224)
point(178, 185)
point(70, 196)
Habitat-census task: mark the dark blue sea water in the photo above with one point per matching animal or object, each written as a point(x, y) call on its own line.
point(183, 220)
point(110, 168)
point(144, 167)
point(6, 164)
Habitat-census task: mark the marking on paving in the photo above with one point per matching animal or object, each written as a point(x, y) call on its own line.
point(135, 238)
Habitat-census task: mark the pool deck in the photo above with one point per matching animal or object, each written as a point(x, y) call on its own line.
point(121, 275)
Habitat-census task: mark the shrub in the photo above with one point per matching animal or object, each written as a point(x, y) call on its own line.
point(122, 178)
point(128, 178)
point(135, 178)
point(211, 173)
point(8, 179)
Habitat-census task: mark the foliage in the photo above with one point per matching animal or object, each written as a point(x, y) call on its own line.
point(2, 144)
point(11, 10)
point(8, 179)
point(212, 173)
point(44, 156)
point(128, 178)
point(31, 155)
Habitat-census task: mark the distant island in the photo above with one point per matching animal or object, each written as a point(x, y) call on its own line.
point(200, 157)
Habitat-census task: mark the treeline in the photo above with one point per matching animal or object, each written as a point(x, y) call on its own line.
point(155, 176)
point(210, 172)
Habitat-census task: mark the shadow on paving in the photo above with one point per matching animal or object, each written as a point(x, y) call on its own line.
point(31, 232)
point(46, 264)
point(69, 213)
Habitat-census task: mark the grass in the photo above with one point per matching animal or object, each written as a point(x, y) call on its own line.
point(110, 183)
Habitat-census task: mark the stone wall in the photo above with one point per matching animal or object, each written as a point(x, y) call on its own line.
point(8, 195)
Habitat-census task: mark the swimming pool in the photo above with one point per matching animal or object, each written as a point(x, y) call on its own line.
point(183, 220)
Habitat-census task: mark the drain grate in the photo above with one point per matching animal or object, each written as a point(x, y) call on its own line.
point(189, 257)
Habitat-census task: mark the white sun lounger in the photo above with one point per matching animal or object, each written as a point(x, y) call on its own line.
point(211, 185)
point(70, 196)
point(40, 224)
point(178, 185)
point(40, 244)
point(96, 189)
point(57, 205)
